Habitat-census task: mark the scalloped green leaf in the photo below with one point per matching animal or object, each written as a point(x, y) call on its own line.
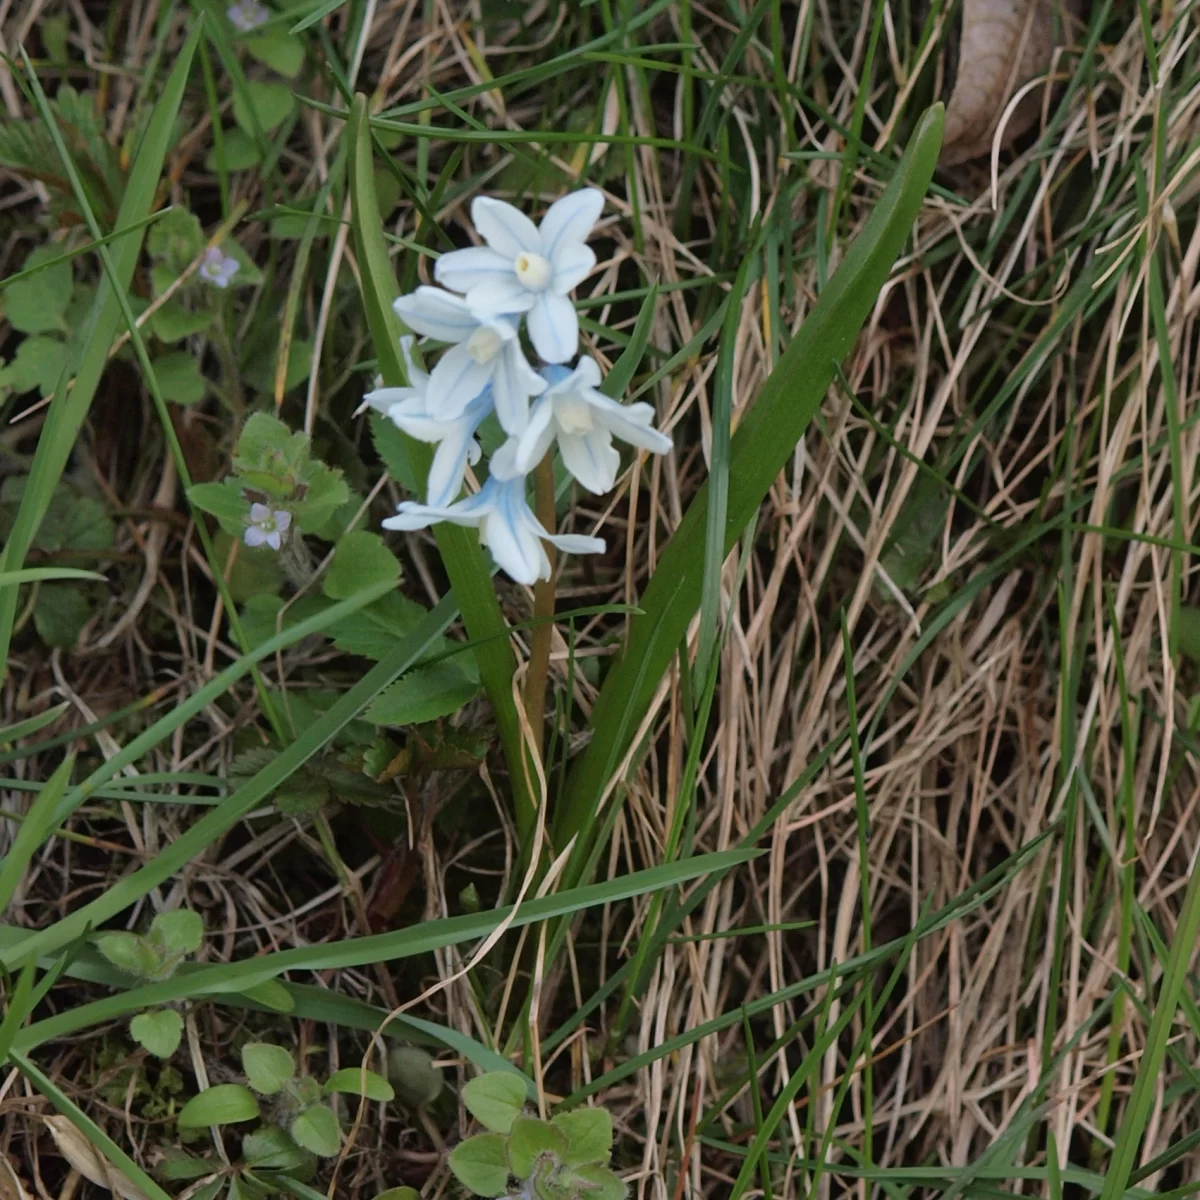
point(495, 1099)
point(159, 1031)
point(479, 1163)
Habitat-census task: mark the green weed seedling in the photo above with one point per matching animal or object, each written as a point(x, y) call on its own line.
point(565, 1158)
point(151, 958)
point(299, 1120)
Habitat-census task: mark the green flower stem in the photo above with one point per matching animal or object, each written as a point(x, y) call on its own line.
point(537, 679)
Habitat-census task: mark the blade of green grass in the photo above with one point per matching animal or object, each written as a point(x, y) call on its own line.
point(35, 829)
point(353, 952)
point(764, 441)
point(460, 550)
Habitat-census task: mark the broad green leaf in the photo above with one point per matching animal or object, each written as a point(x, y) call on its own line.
point(495, 1100)
point(479, 1164)
point(225, 500)
point(282, 52)
point(589, 1134)
point(238, 151)
point(130, 952)
point(270, 1148)
point(270, 994)
point(359, 560)
point(177, 1165)
point(180, 378)
point(600, 1183)
point(399, 1193)
point(317, 1129)
point(69, 407)
point(528, 1139)
point(355, 1082)
point(61, 612)
point(460, 550)
point(424, 694)
point(764, 441)
point(326, 493)
point(175, 240)
point(178, 932)
point(36, 366)
point(172, 323)
point(37, 304)
point(391, 448)
point(271, 103)
point(225, 1104)
point(267, 1067)
point(159, 1031)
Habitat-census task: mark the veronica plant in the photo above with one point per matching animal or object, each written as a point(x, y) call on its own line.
point(565, 1158)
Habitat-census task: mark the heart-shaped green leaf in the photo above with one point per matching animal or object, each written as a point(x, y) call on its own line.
point(480, 1164)
point(589, 1134)
point(495, 1100)
point(159, 1031)
point(317, 1129)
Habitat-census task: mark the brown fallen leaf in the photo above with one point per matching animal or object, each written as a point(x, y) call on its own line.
point(11, 1187)
point(1003, 45)
point(92, 1165)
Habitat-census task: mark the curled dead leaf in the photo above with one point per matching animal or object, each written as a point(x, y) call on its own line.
point(1002, 46)
point(11, 1187)
point(78, 1151)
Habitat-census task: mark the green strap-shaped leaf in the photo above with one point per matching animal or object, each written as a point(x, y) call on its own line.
point(465, 564)
point(69, 407)
point(765, 440)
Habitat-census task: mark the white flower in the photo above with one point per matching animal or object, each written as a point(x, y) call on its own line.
point(218, 268)
point(585, 421)
point(485, 349)
point(409, 409)
point(507, 525)
point(267, 528)
point(247, 15)
point(528, 269)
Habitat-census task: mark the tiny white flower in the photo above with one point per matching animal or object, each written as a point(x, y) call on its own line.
point(484, 350)
point(507, 525)
point(409, 409)
point(267, 528)
point(218, 268)
point(247, 15)
point(528, 269)
point(584, 421)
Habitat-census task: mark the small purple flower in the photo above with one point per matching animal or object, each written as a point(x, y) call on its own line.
point(218, 268)
point(267, 528)
point(247, 15)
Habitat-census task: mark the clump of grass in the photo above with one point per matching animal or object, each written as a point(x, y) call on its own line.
point(953, 657)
